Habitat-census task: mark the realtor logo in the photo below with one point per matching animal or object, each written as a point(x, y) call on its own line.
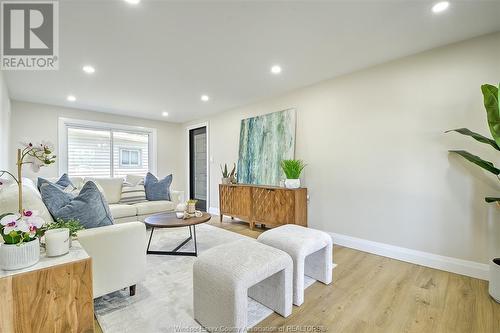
point(30, 35)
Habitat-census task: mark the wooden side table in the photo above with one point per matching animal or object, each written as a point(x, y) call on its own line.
point(55, 295)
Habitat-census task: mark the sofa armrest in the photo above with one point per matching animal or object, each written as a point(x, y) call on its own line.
point(118, 255)
point(177, 197)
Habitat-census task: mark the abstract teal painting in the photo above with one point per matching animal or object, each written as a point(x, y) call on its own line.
point(264, 142)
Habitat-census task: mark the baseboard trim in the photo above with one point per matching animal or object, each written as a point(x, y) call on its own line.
point(213, 210)
point(449, 264)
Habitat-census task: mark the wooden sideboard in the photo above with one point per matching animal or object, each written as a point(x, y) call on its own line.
point(267, 205)
point(54, 295)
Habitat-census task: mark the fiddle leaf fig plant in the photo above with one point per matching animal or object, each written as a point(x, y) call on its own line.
point(491, 97)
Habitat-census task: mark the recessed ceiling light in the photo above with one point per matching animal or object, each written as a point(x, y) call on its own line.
point(133, 2)
point(88, 69)
point(276, 69)
point(205, 98)
point(164, 114)
point(71, 98)
point(440, 7)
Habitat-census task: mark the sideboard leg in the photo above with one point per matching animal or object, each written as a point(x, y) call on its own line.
point(221, 217)
point(252, 225)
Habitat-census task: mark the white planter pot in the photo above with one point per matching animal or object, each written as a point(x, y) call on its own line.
point(19, 256)
point(494, 285)
point(292, 183)
point(226, 181)
point(494, 251)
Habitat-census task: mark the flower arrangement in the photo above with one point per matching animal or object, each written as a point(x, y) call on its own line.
point(25, 225)
point(36, 156)
point(18, 229)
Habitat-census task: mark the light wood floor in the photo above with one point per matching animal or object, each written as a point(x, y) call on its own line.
point(377, 294)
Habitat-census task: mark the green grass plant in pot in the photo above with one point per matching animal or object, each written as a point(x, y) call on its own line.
point(491, 98)
point(292, 170)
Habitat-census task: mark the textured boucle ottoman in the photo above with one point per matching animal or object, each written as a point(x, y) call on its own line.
point(223, 276)
point(311, 251)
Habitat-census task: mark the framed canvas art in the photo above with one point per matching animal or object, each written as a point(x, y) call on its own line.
point(264, 142)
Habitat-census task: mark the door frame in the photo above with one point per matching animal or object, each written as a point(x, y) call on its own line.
point(188, 164)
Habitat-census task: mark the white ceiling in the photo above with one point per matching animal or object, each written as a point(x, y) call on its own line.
point(163, 55)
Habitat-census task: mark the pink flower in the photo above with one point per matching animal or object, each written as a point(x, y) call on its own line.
point(10, 223)
point(26, 227)
point(23, 226)
point(29, 223)
point(32, 222)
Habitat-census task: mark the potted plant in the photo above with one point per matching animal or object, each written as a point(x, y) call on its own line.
point(292, 170)
point(72, 225)
point(191, 206)
point(491, 98)
point(21, 231)
point(228, 177)
point(20, 234)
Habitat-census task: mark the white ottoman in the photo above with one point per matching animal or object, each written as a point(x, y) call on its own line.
point(223, 276)
point(311, 251)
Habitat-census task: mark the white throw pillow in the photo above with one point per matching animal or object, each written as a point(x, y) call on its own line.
point(134, 179)
point(132, 194)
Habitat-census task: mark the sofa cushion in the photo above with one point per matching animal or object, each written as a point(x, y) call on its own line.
point(120, 211)
point(153, 207)
point(112, 188)
point(89, 207)
point(133, 193)
point(157, 189)
point(134, 179)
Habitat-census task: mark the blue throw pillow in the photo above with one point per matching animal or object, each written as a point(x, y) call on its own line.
point(63, 182)
point(89, 207)
point(157, 190)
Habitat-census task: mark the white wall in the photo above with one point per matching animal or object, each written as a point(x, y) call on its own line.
point(378, 166)
point(4, 126)
point(37, 122)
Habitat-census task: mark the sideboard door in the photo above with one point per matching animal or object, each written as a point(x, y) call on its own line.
point(236, 201)
point(273, 206)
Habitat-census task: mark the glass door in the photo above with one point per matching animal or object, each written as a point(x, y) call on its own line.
point(198, 167)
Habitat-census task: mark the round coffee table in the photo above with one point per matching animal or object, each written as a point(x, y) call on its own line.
point(170, 220)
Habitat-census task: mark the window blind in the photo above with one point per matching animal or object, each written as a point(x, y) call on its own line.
point(96, 152)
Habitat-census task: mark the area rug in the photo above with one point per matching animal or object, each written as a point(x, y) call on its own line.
point(164, 300)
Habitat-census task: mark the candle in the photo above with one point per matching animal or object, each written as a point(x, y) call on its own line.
point(57, 242)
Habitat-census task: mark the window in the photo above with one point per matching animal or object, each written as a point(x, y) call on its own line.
point(89, 149)
point(130, 158)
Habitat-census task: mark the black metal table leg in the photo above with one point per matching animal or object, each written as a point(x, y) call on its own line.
point(195, 245)
point(176, 252)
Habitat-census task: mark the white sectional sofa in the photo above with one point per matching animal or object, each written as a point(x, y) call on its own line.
point(118, 251)
point(112, 190)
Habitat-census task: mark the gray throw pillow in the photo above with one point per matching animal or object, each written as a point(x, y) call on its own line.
point(157, 189)
point(63, 182)
point(89, 206)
